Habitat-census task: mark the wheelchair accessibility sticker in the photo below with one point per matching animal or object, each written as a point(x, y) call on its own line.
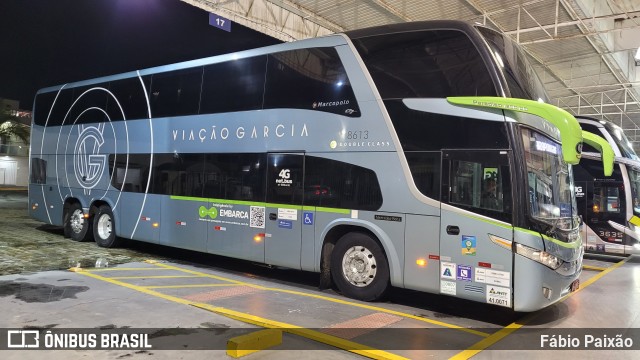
point(307, 218)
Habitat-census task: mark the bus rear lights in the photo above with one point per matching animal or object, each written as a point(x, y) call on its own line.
point(155, 225)
point(259, 237)
point(540, 256)
point(34, 206)
point(421, 262)
point(547, 293)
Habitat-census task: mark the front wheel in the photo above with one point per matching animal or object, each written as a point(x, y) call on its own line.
point(76, 225)
point(359, 267)
point(104, 228)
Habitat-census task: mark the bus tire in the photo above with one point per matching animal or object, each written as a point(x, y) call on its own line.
point(359, 267)
point(76, 226)
point(104, 228)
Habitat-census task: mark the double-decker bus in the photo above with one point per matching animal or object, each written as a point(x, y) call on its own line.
point(609, 203)
point(411, 155)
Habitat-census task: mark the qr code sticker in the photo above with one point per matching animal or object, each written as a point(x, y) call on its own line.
point(257, 217)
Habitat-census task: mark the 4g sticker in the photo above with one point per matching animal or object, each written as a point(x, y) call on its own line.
point(284, 178)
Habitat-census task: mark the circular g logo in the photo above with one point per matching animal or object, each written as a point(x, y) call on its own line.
point(88, 164)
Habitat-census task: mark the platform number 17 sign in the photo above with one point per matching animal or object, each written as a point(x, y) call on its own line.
point(219, 22)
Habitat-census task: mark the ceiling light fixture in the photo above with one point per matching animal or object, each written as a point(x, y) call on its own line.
point(637, 57)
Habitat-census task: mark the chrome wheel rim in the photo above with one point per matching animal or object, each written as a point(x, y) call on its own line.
point(104, 226)
point(76, 221)
point(359, 266)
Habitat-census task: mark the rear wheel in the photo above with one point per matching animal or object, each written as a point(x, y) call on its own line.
point(359, 267)
point(104, 228)
point(76, 226)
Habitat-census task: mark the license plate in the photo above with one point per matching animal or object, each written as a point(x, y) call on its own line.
point(575, 285)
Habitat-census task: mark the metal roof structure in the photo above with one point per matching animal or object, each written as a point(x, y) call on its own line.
point(583, 50)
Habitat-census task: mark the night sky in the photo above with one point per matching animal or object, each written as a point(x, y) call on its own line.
point(51, 42)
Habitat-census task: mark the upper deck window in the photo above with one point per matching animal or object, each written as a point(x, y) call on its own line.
point(310, 79)
point(425, 64)
point(521, 80)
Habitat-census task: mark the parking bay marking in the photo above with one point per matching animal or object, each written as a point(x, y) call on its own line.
point(256, 320)
point(326, 298)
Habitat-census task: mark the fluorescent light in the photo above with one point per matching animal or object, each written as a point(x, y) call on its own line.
point(637, 57)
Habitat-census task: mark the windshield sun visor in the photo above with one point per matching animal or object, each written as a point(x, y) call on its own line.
point(605, 149)
point(570, 131)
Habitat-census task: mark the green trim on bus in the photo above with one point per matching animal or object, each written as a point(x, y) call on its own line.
point(527, 231)
point(570, 130)
point(572, 245)
point(605, 149)
point(506, 226)
point(273, 205)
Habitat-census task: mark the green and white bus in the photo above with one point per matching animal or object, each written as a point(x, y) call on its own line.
point(609, 202)
point(415, 155)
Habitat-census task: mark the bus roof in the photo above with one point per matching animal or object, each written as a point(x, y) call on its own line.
point(325, 41)
point(410, 26)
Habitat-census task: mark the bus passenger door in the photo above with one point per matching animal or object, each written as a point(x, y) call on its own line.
point(581, 203)
point(476, 226)
point(606, 217)
point(283, 232)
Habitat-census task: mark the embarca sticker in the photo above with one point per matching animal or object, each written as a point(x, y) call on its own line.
point(227, 214)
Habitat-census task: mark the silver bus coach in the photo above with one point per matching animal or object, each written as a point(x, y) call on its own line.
point(418, 155)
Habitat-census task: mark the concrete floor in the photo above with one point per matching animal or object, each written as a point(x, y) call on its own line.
point(194, 295)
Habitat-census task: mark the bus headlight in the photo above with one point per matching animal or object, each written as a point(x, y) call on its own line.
point(540, 256)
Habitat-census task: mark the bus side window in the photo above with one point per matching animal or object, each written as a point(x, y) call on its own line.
point(176, 93)
point(236, 85)
point(310, 79)
point(333, 183)
point(606, 199)
point(425, 169)
point(234, 176)
point(482, 187)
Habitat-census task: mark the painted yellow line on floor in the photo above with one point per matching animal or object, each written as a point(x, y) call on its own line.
point(335, 341)
point(185, 286)
point(249, 343)
point(499, 335)
point(256, 320)
point(153, 277)
point(171, 267)
point(326, 298)
point(596, 268)
point(121, 269)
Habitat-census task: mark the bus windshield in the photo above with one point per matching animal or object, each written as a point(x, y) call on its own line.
point(621, 140)
point(634, 180)
point(550, 182)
